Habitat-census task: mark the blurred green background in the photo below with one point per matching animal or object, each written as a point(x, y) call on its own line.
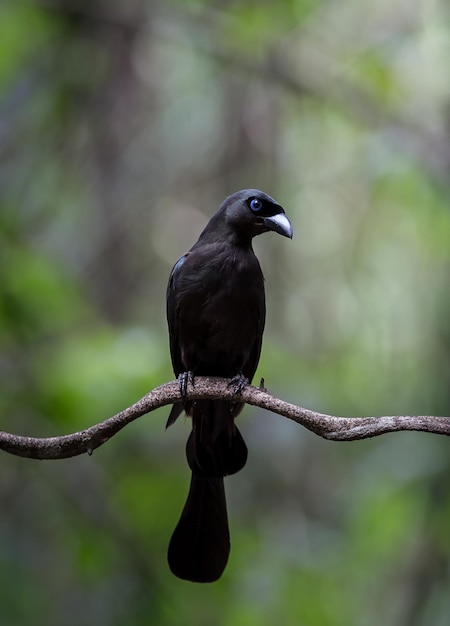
point(123, 125)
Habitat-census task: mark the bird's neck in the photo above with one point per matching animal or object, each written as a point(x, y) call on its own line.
point(224, 235)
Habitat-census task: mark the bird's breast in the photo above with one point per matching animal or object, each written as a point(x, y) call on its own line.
point(221, 309)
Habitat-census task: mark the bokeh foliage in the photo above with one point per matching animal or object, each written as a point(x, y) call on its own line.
point(122, 126)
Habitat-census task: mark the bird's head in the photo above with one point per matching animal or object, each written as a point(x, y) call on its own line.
point(251, 212)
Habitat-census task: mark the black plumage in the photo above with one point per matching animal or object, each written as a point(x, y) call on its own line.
point(216, 316)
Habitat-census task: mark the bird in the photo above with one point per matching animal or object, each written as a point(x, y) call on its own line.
point(216, 316)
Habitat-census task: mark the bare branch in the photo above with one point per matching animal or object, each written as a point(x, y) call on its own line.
point(326, 426)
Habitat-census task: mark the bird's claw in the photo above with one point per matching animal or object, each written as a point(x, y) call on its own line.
point(183, 380)
point(238, 382)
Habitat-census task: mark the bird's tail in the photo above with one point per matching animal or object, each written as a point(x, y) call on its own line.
point(215, 446)
point(200, 544)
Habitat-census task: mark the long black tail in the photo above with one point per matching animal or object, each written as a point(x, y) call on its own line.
point(215, 446)
point(200, 544)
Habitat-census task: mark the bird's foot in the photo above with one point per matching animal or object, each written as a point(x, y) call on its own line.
point(183, 380)
point(238, 382)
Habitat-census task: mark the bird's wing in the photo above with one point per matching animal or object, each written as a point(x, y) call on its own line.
point(172, 317)
point(251, 364)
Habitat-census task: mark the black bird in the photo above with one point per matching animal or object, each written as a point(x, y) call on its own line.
point(216, 314)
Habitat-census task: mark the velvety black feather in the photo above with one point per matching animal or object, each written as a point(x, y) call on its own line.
point(200, 544)
point(216, 315)
point(215, 447)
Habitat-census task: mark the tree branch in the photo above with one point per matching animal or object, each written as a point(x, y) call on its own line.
point(326, 426)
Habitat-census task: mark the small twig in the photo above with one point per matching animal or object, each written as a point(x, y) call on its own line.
point(326, 426)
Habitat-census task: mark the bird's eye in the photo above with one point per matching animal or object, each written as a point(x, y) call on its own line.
point(256, 204)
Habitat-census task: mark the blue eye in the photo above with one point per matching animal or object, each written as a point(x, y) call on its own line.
point(256, 204)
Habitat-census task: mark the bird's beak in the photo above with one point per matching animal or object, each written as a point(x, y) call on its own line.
point(280, 224)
